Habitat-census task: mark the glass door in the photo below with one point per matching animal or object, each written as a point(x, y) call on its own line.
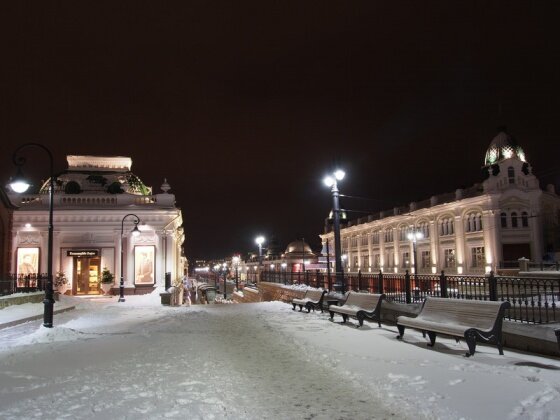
point(86, 275)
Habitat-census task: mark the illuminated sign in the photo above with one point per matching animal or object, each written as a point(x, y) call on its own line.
point(83, 253)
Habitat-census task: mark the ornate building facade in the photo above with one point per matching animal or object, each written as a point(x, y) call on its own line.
point(470, 231)
point(97, 202)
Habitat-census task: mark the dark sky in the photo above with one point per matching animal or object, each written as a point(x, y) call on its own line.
point(244, 106)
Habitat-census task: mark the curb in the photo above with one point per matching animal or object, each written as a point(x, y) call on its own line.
point(34, 317)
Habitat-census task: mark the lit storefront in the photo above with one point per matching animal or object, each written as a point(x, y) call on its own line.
point(92, 200)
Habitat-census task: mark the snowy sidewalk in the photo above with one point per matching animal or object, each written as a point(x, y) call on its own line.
point(141, 360)
point(19, 314)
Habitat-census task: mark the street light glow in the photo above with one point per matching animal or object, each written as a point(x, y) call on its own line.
point(19, 186)
point(414, 235)
point(328, 181)
point(259, 240)
point(339, 174)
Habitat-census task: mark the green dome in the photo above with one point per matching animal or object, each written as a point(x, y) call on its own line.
point(503, 146)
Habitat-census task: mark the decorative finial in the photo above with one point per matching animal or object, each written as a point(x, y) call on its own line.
point(165, 186)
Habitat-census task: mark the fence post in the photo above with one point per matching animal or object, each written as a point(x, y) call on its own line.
point(359, 279)
point(380, 282)
point(306, 277)
point(493, 286)
point(443, 285)
point(407, 287)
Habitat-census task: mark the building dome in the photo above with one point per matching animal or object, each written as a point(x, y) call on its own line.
point(99, 175)
point(298, 248)
point(503, 146)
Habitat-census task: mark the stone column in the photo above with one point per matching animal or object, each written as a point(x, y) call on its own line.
point(460, 245)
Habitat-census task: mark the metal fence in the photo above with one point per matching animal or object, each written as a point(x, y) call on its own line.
point(22, 284)
point(533, 300)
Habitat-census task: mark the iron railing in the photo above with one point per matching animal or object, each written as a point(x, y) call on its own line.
point(533, 300)
point(22, 283)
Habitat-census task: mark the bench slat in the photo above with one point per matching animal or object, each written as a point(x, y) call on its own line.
point(470, 319)
point(360, 306)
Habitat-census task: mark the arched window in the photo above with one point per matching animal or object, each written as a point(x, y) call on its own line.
point(524, 219)
point(473, 222)
point(511, 175)
point(446, 227)
point(503, 220)
point(513, 219)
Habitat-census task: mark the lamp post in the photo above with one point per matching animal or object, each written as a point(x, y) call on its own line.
point(284, 265)
point(414, 236)
point(216, 275)
point(135, 232)
point(332, 182)
point(259, 240)
point(224, 265)
point(20, 185)
point(235, 261)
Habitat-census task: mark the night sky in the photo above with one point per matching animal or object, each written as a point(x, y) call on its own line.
point(244, 106)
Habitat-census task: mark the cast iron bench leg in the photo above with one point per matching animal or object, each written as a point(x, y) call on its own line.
point(401, 331)
point(432, 336)
point(470, 338)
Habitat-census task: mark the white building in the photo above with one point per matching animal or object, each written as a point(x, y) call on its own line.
point(96, 200)
point(471, 231)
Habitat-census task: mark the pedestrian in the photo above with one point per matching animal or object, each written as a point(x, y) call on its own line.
point(187, 286)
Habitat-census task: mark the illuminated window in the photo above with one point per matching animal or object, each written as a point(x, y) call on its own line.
point(449, 258)
point(425, 258)
point(477, 256)
point(405, 260)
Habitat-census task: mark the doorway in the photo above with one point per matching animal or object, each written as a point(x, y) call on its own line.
point(86, 275)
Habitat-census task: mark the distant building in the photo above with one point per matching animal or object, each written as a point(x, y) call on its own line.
point(297, 257)
point(94, 199)
point(470, 231)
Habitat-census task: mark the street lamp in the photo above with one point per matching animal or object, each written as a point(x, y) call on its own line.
point(414, 236)
point(235, 261)
point(332, 182)
point(284, 265)
point(260, 240)
point(135, 232)
point(19, 185)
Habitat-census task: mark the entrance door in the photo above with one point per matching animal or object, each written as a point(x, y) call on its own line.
point(86, 275)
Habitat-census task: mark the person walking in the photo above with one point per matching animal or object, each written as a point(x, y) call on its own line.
point(187, 287)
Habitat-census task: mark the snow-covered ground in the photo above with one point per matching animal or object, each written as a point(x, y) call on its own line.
point(138, 359)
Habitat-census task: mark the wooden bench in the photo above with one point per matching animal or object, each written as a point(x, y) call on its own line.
point(359, 306)
point(313, 299)
point(471, 319)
